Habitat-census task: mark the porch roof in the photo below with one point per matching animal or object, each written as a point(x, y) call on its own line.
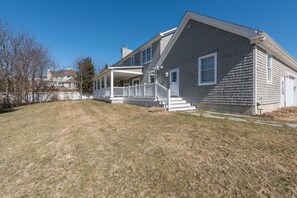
point(120, 72)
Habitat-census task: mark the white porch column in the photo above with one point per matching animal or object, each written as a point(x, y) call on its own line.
point(111, 83)
point(105, 81)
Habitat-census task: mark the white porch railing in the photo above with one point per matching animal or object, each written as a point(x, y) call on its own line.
point(146, 90)
point(105, 92)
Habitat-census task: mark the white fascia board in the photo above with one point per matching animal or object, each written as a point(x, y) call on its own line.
point(230, 27)
point(126, 67)
point(224, 25)
point(168, 32)
point(252, 34)
point(127, 72)
point(272, 47)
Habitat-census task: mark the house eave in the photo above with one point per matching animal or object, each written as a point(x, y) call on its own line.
point(266, 42)
point(254, 35)
point(108, 69)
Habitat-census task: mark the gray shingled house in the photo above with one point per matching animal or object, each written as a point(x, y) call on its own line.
point(210, 64)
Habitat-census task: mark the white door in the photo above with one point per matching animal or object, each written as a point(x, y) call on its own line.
point(290, 91)
point(282, 91)
point(174, 82)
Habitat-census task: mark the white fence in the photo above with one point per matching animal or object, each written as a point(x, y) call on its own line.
point(48, 96)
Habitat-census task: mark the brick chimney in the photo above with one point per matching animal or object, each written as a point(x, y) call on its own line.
point(125, 51)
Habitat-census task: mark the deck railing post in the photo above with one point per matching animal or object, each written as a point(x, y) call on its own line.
point(129, 91)
point(168, 99)
point(144, 89)
point(155, 89)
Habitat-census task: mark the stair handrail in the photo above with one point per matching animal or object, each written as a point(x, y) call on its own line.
point(162, 94)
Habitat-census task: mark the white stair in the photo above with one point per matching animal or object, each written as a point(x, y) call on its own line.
point(178, 104)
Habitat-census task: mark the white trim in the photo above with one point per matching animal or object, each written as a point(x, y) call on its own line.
point(127, 72)
point(282, 91)
point(177, 80)
point(290, 74)
point(255, 36)
point(151, 73)
point(132, 60)
point(151, 55)
point(215, 69)
point(287, 75)
point(126, 67)
point(271, 67)
point(111, 84)
point(256, 81)
point(168, 32)
point(230, 27)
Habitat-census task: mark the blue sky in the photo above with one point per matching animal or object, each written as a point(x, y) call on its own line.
point(98, 29)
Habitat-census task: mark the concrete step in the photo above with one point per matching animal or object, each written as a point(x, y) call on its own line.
point(182, 108)
point(175, 98)
point(178, 102)
point(180, 105)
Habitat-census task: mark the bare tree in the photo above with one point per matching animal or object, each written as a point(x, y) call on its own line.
point(23, 65)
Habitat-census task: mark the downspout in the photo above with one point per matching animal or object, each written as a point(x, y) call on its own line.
point(255, 77)
point(260, 38)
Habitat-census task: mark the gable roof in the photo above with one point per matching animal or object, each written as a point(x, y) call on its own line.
point(146, 44)
point(64, 72)
point(255, 36)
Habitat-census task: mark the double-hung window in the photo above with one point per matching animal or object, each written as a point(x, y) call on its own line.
point(132, 61)
point(268, 68)
point(151, 76)
point(146, 55)
point(207, 69)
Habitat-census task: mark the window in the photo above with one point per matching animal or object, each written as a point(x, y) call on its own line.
point(151, 77)
point(132, 61)
point(126, 83)
point(269, 68)
point(173, 76)
point(102, 83)
point(146, 55)
point(207, 69)
point(136, 81)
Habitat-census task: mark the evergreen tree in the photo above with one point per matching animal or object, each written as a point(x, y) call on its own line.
point(85, 73)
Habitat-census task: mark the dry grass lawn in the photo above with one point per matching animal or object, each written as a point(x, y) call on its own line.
point(288, 114)
point(95, 149)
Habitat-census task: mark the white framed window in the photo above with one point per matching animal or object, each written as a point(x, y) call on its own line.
point(136, 81)
point(126, 83)
point(146, 55)
point(132, 61)
point(151, 77)
point(269, 61)
point(207, 69)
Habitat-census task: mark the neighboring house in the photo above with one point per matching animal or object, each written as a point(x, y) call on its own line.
point(62, 79)
point(221, 66)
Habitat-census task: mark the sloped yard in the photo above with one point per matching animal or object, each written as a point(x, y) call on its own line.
point(94, 149)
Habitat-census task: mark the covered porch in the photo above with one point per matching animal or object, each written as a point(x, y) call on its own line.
point(122, 84)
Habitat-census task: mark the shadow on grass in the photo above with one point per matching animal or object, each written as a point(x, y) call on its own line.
point(8, 110)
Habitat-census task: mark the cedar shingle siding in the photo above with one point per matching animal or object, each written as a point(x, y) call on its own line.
point(270, 93)
point(150, 66)
point(235, 56)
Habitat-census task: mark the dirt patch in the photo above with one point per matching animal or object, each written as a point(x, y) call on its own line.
point(156, 109)
point(288, 114)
